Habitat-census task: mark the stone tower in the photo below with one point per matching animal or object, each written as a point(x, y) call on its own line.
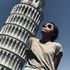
point(22, 23)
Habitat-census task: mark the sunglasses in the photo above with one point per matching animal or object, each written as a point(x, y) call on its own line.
point(49, 25)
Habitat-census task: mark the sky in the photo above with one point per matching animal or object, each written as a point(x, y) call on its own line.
point(57, 11)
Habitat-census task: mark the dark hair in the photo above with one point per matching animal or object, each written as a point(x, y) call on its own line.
point(55, 31)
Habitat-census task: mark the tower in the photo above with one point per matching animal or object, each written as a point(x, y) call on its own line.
point(22, 23)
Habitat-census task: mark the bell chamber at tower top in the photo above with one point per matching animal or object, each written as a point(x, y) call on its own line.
point(35, 3)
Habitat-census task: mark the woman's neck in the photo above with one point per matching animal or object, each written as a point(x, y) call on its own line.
point(45, 39)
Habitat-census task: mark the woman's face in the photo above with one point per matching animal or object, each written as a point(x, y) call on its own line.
point(48, 28)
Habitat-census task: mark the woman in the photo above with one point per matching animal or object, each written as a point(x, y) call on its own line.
point(44, 54)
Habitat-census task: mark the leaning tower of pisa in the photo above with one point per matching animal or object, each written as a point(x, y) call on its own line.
point(22, 23)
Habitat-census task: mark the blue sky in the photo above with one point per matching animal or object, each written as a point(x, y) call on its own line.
point(57, 11)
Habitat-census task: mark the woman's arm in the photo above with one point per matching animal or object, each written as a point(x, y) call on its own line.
point(57, 60)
